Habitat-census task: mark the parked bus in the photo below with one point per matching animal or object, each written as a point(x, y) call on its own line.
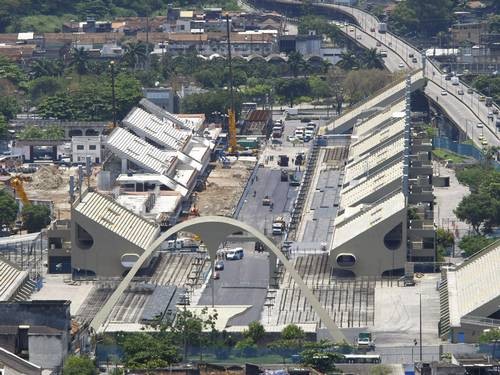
point(360, 358)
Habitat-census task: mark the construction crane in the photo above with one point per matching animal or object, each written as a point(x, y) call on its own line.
point(233, 145)
point(17, 183)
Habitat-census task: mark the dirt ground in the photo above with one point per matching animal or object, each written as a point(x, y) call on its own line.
point(224, 188)
point(52, 183)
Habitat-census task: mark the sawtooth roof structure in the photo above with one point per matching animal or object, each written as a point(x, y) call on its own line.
point(116, 218)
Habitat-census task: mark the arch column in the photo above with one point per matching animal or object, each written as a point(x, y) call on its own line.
point(213, 230)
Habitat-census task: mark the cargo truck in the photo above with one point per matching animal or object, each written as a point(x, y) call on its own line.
point(382, 27)
point(365, 341)
point(278, 226)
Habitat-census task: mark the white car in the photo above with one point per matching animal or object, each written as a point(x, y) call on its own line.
point(479, 125)
point(444, 92)
point(401, 66)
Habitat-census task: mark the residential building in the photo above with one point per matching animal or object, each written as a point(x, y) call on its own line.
point(83, 146)
point(37, 331)
point(468, 32)
point(164, 97)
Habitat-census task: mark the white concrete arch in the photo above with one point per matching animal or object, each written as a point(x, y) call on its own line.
point(213, 230)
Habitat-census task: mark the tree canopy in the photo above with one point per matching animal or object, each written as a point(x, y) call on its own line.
point(480, 209)
point(79, 365)
point(35, 217)
point(424, 17)
point(8, 208)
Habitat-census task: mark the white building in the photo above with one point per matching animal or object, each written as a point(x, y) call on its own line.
point(83, 146)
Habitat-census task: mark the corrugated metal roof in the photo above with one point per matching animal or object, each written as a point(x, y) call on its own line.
point(140, 152)
point(164, 132)
point(116, 218)
point(164, 114)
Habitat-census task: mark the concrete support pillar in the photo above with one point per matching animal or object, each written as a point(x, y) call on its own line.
point(124, 165)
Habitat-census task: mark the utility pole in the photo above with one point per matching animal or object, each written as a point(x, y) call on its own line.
point(112, 65)
point(147, 43)
point(420, 324)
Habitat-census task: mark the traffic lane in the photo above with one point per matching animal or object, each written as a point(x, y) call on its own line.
point(470, 100)
point(455, 110)
point(392, 60)
point(367, 21)
point(269, 184)
point(242, 282)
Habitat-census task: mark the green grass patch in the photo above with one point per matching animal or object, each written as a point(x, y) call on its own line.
point(443, 154)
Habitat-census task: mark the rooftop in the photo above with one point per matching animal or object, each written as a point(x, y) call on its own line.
point(140, 152)
point(116, 218)
point(474, 283)
point(367, 143)
point(366, 186)
point(348, 227)
point(373, 122)
point(164, 132)
point(367, 162)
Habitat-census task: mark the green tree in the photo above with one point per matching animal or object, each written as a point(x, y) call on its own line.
point(348, 60)
point(79, 60)
point(210, 102)
point(473, 177)
point(291, 341)
point(135, 54)
point(44, 86)
point(372, 59)
point(296, 63)
point(79, 365)
point(255, 331)
point(9, 107)
point(491, 336)
point(477, 210)
point(10, 70)
point(425, 17)
point(320, 355)
point(444, 240)
point(319, 87)
point(360, 84)
point(473, 243)
point(46, 67)
point(291, 89)
point(3, 127)
point(8, 208)
point(59, 106)
point(149, 350)
point(246, 347)
point(31, 132)
point(292, 332)
point(35, 217)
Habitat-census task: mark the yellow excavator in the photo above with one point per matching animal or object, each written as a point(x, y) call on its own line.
point(17, 183)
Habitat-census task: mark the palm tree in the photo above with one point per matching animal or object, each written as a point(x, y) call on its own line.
point(372, 59)
point(347, 60)
point(46, 67)
point(135, 53)
point(79, 60)
point(295, 62)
